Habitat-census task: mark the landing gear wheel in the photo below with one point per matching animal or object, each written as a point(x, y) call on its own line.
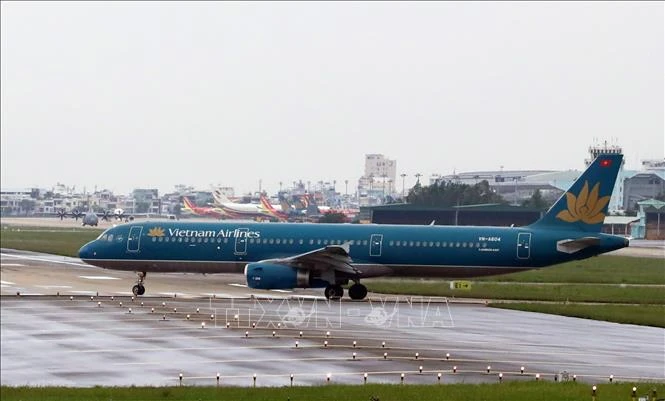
point(334, 292)
point(139, 289)
point(357, 291)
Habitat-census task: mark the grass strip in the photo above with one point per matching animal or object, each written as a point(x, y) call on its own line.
point(645, 315)
point(605, 269)
point(64, 242)
point(508, 391)
point(522, 291)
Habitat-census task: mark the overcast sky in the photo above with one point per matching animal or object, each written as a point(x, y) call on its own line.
point(125, 94)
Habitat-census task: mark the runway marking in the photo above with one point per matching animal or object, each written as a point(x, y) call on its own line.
point(6, 283)
point(84, 292)
point(53, 286)
point(11, 264)
point(238, 285)
point(100, 277)
point(286, 291)
point(44, 260)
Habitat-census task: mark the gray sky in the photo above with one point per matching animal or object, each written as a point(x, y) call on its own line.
point(125, 94)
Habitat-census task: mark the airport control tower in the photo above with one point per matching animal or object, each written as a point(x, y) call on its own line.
point(616, 202)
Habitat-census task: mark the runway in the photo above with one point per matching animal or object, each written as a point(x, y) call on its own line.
point(80, 327)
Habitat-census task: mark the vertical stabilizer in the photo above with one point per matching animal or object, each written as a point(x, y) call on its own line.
point(584, 205)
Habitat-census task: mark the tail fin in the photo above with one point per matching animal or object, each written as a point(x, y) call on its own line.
point(188, 204)
point(584, 205)
point(219, 197)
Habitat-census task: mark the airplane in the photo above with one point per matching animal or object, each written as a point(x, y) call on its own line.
point(213, 212)
point(91, 218)
point(240, 210)
point(292, 255)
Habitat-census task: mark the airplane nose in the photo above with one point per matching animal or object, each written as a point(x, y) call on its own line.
point(86, 251)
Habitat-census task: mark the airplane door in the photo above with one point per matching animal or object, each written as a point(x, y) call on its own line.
point(523, 245)
point(241, 241)
point(134, 239)
point(375, 244)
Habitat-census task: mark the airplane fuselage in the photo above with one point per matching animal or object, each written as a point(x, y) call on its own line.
point(438, 251)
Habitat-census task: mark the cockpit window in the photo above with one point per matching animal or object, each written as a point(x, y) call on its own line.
point(110, 237)
point(104, 235)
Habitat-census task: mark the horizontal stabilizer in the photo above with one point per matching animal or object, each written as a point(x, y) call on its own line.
point(576, 245)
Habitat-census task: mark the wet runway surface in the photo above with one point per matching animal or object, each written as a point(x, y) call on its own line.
point(80, 338)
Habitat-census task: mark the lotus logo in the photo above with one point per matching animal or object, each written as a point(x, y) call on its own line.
point(585, 207)
point(156, 232)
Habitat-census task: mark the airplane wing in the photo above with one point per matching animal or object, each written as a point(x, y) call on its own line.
point(334, 257)
point(576, 245)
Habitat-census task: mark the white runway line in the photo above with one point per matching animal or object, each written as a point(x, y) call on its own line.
point(53, 286)
point(99, 277)
point(11, 264)
point(6, 283)
point(238, 285)
point(44, 260)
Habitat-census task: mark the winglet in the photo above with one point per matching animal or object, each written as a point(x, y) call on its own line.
point(584, 206)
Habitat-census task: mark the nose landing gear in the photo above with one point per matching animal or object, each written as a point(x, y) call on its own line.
point(139, 289)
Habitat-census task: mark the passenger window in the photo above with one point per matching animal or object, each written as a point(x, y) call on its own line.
point(271, 241)
point(110, 237)
point(410, 243)
point(457, 245)
point(438, 244)
point(391, 243)
point(397, 243)
point(291, 241)
point(364, 242)
point(311, 242)
point(318, 242)
point(199, 239)
point(300, 242)
point(160, 239)
point(186, 239)
point(205, 239)
point(325, 242)
point(417, 243)
point(463, 244)
point(431, 243)
point(251, 240)
point(179, 239)
point(477, 244)
point(484, 245)
point(277, 241)
point(154, 239)
point(226, 240)
point(443, 244)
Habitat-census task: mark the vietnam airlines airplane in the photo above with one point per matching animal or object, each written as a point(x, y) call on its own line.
point(285, 255)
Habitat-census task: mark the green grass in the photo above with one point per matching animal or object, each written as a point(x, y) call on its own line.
point(58, 241)
point(509, 391)
point(646, 315)
point(528, 292)
point(607, 269)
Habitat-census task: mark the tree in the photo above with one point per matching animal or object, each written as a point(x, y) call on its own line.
point(333, 217)
point(536, 201)
point(28, 205)
point(449, 193)
point(142, 207)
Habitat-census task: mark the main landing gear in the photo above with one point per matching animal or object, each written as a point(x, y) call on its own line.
point(139, 289)
point(356, 292)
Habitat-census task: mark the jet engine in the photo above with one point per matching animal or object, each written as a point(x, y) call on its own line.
point(274, 276)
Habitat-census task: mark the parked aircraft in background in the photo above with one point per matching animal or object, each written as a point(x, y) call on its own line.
point(250, 211)
point(91, 218)
point(284, 256)
point(214, 212)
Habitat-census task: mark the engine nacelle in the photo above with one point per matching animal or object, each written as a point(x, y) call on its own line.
point(273, 276)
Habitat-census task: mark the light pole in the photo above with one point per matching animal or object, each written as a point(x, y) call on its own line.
point(418, 178)
point(346, 188)
point(403, 176)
